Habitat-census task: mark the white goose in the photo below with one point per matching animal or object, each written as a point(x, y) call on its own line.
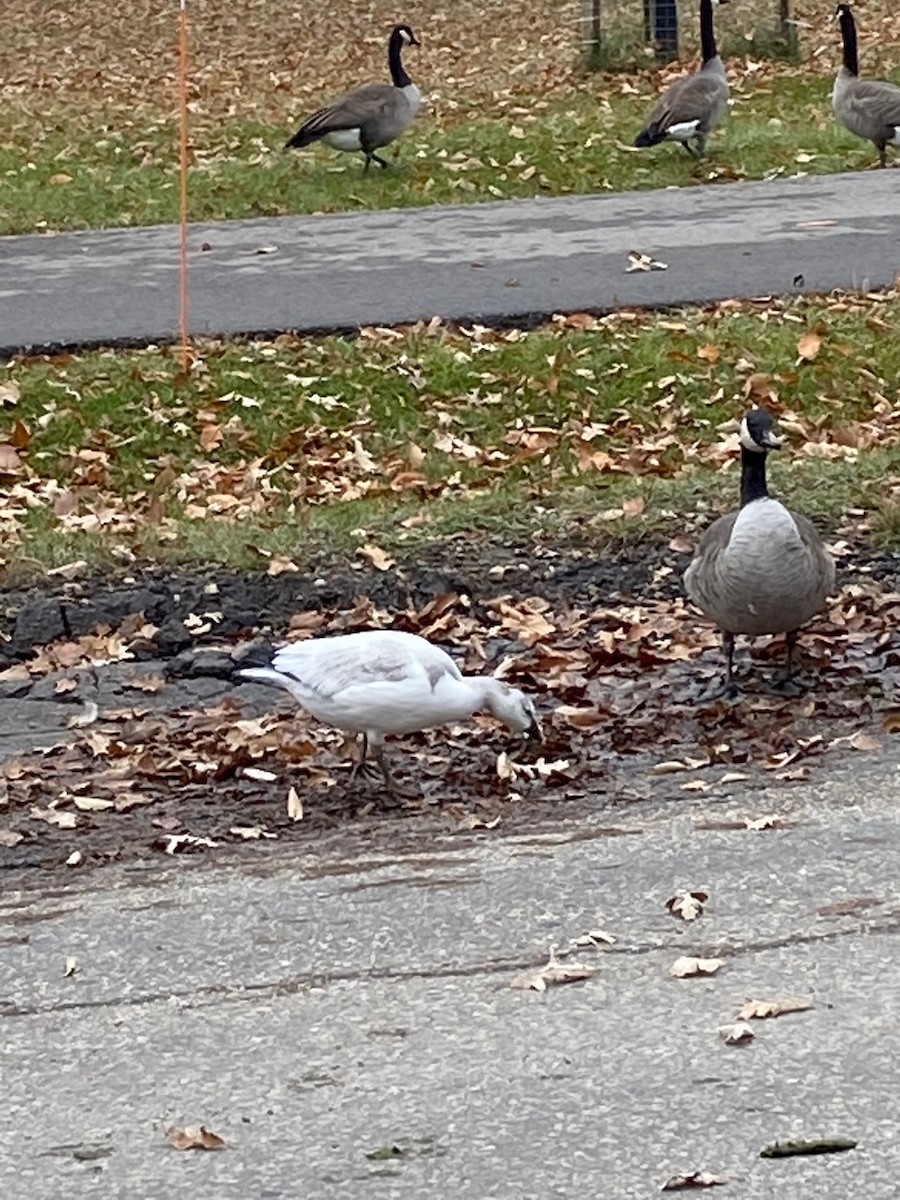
point(383, 682)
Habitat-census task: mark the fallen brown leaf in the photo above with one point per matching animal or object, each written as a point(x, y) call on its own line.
point(294, 805)
point(808, 346)
point(379, 558)
point(687, 966)
point(687, 905)
point(762, 1009)
point(194, 1137)
point(552, 973)
point(737, 1034)
point(699, 1179)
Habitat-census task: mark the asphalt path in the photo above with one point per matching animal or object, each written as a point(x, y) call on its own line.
point(494, 263)
point(317, 1010)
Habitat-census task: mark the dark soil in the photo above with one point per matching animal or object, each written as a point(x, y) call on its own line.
point(158, 730)
point(575, 572)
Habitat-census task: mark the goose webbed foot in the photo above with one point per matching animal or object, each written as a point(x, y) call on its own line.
point(786, 684)
point(371, 157)
point(726, 690)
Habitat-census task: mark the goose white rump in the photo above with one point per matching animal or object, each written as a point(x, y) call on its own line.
point(384, 682)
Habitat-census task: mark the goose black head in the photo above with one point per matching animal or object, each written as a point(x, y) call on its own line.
point(405, 35)
point(842, 10)
point(758, 432)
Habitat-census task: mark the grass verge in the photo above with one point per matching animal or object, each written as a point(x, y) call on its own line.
point(269, 453)
point(117, 169)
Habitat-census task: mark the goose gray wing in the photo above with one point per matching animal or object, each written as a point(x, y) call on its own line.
point(821, 561)
point(373, 102)
point(712, 542)
point(701, 97)
point(871, 109)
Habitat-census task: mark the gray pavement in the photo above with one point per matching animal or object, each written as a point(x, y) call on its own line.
point(312, 1009)
point(488, 262)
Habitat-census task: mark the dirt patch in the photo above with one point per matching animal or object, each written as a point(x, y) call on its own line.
point(575, 572)
point(135, 743)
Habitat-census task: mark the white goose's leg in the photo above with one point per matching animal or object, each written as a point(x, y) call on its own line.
point(363, 751)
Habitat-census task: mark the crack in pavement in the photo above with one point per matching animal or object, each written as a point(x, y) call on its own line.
point(312, 980)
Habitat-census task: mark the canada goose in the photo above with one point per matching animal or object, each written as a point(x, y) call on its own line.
point(692, 106)
point(867, 108)
point(369, 116)
point(762, 569)
point(383, 682)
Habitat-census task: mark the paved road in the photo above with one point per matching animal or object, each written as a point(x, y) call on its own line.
point(486, 261)
point(316, 1009)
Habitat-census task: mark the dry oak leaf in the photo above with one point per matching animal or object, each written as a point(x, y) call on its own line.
point(864, 741)
point(769, 821)
point(687, 966)
point(761, 1009)
point(687, 905)
point(93, 803)
point(251, 832)
point(553, 972)
point(808, 346)
point(379, 558)
point(294, 805)
point(699, 1179)
point(63, 820)
point(9, 837)
point(194, 1137)
point(474, 821)
point(740, 1033)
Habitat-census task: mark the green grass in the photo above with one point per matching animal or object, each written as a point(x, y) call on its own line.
point(115, 168)
point(300, 447)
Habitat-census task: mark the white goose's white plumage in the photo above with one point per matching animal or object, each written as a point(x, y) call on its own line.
point(382, 682)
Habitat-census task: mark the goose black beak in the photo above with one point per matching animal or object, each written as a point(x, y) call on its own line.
point(534, 733)
point(771, 441)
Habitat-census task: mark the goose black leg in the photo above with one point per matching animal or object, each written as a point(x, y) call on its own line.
point(787, 685)
point(731, 690)
point(371, 157)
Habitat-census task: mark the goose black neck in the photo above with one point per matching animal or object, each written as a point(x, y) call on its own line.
point(848, 33)
point(707, 33)
point(753, 476)
point(395, 62)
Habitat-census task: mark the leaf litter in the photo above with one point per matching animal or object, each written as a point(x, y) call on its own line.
point(616, 686)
